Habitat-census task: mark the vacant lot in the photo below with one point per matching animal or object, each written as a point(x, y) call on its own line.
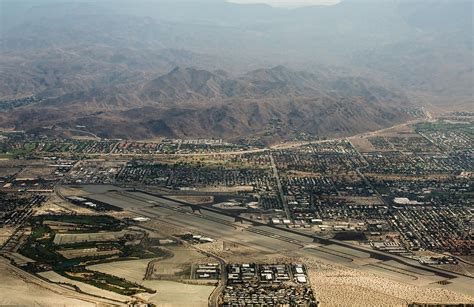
point(35, 172)
point(5, 234)
point(169, 293)
point(362, 144)
point(178, 266)
point(131, 270)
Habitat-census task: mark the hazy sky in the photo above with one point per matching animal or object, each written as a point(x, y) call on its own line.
point(288, 3)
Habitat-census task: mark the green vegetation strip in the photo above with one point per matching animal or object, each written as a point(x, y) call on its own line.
point(40, 247)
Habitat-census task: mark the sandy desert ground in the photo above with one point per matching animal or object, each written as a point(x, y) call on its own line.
point(16, 290)
point(5, 233)
point(168, 293)
point(86, 288)
point(338, 286)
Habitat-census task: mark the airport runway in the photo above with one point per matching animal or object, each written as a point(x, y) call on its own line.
point(270, 239)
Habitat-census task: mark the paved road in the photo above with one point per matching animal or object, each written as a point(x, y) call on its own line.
point(283, 199)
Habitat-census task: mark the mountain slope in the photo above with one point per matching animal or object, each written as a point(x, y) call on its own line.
point(184, 84)
point(276, 103)
point(190, 84)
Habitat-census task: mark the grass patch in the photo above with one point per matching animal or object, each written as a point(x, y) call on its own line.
point(107, 282)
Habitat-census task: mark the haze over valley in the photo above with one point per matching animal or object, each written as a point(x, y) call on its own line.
point(221, 153)
point(144, 69)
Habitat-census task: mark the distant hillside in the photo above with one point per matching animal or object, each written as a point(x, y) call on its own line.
point(276, 103)
point(214, 68)
point(190, 84)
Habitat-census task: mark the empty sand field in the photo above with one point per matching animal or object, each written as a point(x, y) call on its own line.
point(170, 293)
point(5, 234)
point(17, 290)
point(341, 286)
point(131, 270)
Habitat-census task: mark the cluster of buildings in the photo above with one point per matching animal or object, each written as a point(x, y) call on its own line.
point(415, 183)
point(451, 190)
point(252, 284)
point(410, 143)
point(438, 260)
point(443, 229)
point(73, 146)
point(16, 209)
point(133, 147)
point(395, 162)
point(93, 172)
point(187, 175)
point(266, 273)
point(92, 204)
point(43, 145)
point(448, 135)
point(335, 208)
point(196, 238)
point(391, 247)
point(175, 146)
point(326, 158)
point(207, 271)
point(33, 176)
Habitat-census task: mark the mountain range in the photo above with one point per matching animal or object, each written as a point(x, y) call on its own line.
point(141, 69)
point(193, 102)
